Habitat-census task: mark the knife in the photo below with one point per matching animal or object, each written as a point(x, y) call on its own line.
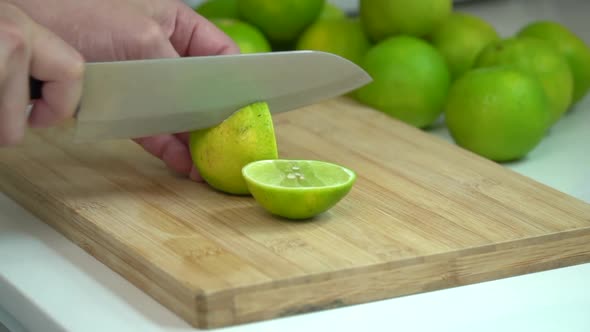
point(130, 99)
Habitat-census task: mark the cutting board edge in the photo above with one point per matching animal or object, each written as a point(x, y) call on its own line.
point(227, 301)
point(227, 307)
point(185, 306)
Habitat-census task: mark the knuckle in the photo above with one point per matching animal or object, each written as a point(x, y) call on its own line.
point(12, 38)
point(76, 68)
point(13, 30)
point(151, 34)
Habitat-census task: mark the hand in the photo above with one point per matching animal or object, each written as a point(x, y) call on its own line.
point(106, 30)
point(27, 49)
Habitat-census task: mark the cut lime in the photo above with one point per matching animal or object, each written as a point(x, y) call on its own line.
point(220, 152)
point(297, 189)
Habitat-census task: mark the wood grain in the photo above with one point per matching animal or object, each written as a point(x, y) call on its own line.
point(423, 215)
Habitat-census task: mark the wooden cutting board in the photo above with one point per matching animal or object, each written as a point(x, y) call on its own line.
point(423, 215)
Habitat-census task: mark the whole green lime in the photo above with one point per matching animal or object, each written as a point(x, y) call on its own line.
point(571, 46)
point(540, 59)
point(281, 21)
point(460, 38)
point(385, 18)
point(248, 38)
point(331, 11)
point(344, 37)
point(410, 80)
point(500, 113)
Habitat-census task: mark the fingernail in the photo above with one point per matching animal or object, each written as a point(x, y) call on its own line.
point(194, 175)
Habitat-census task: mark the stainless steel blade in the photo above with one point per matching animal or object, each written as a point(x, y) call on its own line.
point(146, 97)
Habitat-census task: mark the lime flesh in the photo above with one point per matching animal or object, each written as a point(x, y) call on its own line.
point(297, 189)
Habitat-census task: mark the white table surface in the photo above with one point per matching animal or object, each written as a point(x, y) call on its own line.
point(49, 284)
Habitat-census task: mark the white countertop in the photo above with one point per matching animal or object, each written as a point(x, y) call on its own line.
point(49, 284)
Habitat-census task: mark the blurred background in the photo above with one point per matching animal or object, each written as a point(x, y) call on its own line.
point(507, 15)
point(460, 40)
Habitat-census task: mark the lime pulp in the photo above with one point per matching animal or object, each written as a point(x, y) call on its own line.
point(297, 189)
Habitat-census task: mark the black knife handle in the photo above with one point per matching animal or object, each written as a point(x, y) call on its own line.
point(35, 88)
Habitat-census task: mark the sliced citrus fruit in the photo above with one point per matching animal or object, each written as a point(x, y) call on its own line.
point(297, 189)
point(220, 152)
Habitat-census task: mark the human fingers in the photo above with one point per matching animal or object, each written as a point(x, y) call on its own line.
point(61, 68)
point(194, 173)
point(194, 35)
point(14, 60)
point(171, 150)
point(151, 43)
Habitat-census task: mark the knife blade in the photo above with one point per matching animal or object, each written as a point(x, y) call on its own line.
point(130, 99)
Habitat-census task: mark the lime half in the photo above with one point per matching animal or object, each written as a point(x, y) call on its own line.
point(297, 189)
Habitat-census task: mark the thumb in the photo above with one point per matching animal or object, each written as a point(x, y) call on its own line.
point(61, 67)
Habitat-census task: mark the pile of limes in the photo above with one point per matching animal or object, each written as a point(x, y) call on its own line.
point(498, 95)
